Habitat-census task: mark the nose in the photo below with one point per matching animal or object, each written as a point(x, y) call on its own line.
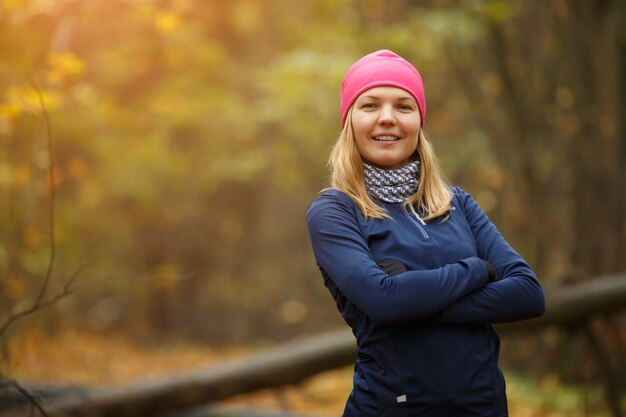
point(387, 116)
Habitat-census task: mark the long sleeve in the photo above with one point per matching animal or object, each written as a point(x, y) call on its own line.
point(516, 296)
point(343, 255)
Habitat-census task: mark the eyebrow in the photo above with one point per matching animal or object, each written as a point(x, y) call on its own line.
point(399, 98)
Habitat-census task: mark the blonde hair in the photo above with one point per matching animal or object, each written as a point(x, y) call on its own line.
point(433, 195)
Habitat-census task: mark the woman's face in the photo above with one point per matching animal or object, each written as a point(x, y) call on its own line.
point(386, 123)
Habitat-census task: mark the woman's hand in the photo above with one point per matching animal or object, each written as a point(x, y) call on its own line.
point(493, 275)
point(392, 267)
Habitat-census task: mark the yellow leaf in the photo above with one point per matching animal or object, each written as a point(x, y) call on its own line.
point(166, 21)
point(11, 5)
point(23, 98)
point(63, 65)
point(10, 110)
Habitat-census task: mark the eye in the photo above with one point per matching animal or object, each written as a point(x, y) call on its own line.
point(406, 107)
point(368, 106)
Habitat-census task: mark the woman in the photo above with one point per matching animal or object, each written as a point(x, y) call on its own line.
point(416, 268)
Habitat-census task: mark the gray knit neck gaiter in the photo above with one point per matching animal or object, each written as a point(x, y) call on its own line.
point(392, 185)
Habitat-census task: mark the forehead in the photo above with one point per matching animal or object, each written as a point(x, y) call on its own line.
point(386, 93)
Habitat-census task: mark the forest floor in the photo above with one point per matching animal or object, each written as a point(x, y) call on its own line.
point(76, 358)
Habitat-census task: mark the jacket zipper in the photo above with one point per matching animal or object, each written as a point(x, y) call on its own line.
point(420, 223)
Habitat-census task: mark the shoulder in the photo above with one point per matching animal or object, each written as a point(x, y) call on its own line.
point(468, 205)
point(465, 202)
point(459, 196)
point(332, 194)
point(330, 209)
point(330, 199)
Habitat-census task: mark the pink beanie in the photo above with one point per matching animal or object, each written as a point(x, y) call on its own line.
point(381, 68)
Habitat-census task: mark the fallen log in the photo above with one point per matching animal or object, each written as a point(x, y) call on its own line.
point(575, 303)
point(284, 364)
point(291, 362)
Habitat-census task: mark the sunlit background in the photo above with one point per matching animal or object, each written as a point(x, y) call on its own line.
point(189, 137)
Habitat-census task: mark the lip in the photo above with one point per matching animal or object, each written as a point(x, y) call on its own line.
point(397, 138)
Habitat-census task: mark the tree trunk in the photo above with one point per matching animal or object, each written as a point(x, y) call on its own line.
point(598, 150)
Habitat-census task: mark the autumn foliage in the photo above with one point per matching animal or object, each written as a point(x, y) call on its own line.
point(189, 137)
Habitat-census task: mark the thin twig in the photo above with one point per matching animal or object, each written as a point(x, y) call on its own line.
point(51, 182)
point(70, 282)
point(25, 392)
point(71, 286)
point(40, 301)
point(68, 288)
point(28, 311)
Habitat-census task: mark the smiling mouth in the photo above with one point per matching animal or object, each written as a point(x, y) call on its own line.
point(385, 138)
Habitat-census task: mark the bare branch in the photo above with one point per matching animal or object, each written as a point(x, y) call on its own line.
point(68, 288)
point(75, 275)
point(72, 285)
point(43, 300)
point(51, 182)
point(32, 398)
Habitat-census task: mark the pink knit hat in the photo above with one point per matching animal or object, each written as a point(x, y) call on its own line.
point(381, 68)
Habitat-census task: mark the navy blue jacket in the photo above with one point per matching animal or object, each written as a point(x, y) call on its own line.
point(426, 346)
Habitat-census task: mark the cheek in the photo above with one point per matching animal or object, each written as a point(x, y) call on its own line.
point(411, 125)
point(412, 130)
point(361, 135)
point(412, 144)
point(359, 125)
point(361, 144)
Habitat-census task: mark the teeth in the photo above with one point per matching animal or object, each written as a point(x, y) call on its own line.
point(385, 138)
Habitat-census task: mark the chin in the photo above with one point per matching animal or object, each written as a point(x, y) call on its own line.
point(390, 163)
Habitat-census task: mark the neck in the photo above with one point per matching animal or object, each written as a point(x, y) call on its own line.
point(392, 185)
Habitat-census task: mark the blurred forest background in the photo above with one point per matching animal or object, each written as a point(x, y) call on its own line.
point(189, 137)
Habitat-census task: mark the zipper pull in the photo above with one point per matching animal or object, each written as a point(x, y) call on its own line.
point(417, 216)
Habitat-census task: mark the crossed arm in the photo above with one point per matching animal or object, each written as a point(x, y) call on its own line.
point(457, 293)
point(516, 295)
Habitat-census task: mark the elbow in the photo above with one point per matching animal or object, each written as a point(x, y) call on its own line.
point(538, 305)
point(534, 300)
point(530, 304)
